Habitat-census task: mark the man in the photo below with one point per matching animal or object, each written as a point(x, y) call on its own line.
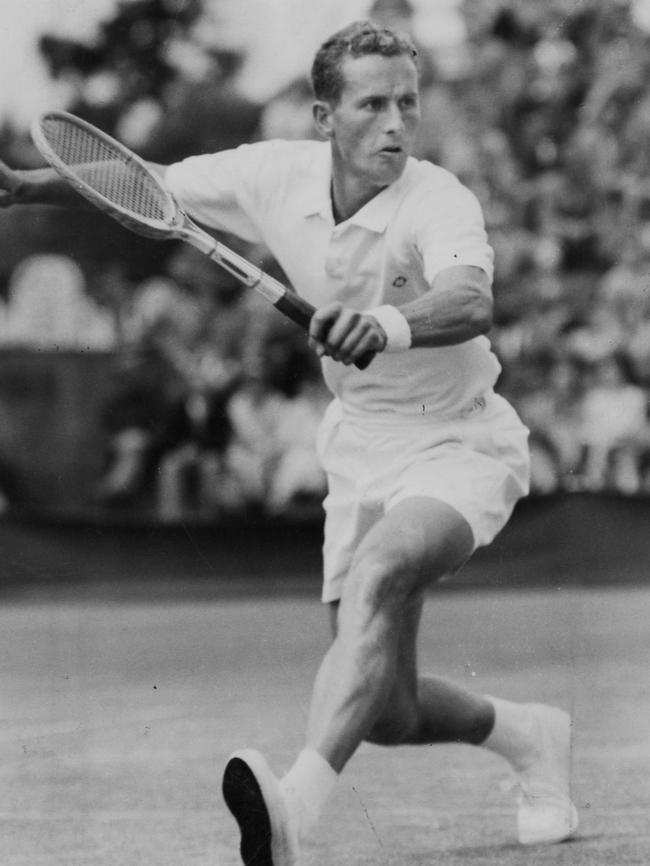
point(424, 461)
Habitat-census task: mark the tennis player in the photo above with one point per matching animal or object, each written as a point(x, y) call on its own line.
point(425, 462)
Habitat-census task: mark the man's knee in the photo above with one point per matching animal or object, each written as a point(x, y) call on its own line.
point(393, 566)
point(381, 582)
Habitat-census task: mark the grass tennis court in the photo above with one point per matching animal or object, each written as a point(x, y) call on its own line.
point(117, 716)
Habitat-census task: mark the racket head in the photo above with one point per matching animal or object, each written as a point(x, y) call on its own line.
point(106, 173)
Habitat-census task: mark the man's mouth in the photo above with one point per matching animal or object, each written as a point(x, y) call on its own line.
point(392, 148)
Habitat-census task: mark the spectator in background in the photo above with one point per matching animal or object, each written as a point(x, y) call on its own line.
point(48, 307)
point(637, 348)
point(145, 390)
point(245, 373)
point(597, 335)
point(274, 417)
point(566, 383)
point(207, 409)
point(613, 430)
point(298, 484)
point(545, 115)
point(625, 287)
point(539, 312)
point(177, 366)
point(550, 401)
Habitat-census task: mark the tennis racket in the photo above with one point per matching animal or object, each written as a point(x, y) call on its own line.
point(118, 182)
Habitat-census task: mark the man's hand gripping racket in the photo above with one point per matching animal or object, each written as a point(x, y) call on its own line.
point(121, 184)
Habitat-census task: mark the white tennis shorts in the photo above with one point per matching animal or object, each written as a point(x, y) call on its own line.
point(478, 463)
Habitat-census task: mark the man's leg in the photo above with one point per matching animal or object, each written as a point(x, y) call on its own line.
point(535, 739)
point(367, 687)
point(384, 696)
point(414, 545)
point(426, 709)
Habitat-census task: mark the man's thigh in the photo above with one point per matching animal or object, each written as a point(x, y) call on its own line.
point(417, 542)
point(477, 468)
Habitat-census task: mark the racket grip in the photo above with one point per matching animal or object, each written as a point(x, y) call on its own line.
point(301, 311)
point(296, 309)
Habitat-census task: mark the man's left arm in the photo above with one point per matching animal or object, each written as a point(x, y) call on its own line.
point(457, 308)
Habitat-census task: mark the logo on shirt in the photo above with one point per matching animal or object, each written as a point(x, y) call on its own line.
point(398, 282)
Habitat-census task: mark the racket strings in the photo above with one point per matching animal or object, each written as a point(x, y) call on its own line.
point(106, 169)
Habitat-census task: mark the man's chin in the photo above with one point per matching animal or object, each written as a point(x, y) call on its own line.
point(391, 167)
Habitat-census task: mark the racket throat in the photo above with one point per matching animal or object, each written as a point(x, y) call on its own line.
point(240, 268)
point(246, 273)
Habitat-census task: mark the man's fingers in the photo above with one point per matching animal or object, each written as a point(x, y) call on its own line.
point(366, 338)
point(366, 344)
point(9, 184)
point(342, 334)
point(335, 328)
point(345, 335)
point(321, 323)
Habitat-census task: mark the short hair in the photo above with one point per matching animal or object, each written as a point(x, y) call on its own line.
point(355, 40)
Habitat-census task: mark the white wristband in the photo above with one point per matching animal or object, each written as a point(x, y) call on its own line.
point(398, 332)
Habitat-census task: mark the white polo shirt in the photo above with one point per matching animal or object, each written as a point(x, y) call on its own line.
point(278, 193)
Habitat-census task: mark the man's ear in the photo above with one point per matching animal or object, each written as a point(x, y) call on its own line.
point(322, 113)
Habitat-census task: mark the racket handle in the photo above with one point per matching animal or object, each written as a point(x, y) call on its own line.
point(296, 309)
point(300, 312)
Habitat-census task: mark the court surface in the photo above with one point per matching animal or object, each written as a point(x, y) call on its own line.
point(118, 715)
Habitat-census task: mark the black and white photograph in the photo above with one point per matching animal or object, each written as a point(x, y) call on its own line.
point(269, 271)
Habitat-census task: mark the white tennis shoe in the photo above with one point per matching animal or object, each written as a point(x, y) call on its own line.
point(545, 812)
point(269, 835)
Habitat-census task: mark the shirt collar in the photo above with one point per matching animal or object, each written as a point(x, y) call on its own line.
point(316, 198)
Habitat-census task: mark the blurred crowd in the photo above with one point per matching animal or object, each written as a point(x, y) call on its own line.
point(544, 112)
point(213, 397)
point(560, 162)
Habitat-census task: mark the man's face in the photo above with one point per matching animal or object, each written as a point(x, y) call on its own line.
point(373, 125)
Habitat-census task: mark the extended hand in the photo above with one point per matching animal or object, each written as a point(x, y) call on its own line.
point(345, 335)
point(10, 184)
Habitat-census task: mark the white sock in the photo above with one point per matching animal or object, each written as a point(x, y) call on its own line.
point(307, 787)
point(513, 734)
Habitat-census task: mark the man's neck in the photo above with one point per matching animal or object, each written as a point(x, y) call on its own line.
point(349, 195)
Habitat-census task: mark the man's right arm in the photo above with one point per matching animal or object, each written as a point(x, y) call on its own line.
point(37, 186)
point(45, 186)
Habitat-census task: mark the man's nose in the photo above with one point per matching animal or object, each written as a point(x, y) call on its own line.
point(394, 118)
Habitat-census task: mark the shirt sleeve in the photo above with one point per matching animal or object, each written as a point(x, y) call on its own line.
point(451, 232)
point(217, 189)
